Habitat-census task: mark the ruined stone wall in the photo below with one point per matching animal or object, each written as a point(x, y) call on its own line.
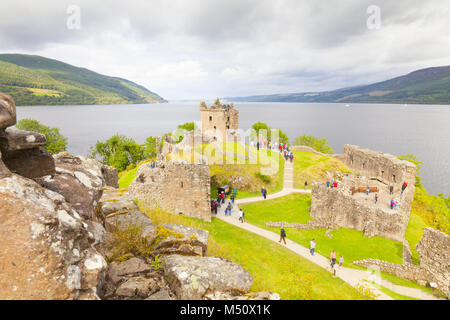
point(337, 207)
point(218, 119)
point(434, 262)
point(383, 166)
point(175, 186)
point(434, 256)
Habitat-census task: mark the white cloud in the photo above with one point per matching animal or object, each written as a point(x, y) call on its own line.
point(203, 49)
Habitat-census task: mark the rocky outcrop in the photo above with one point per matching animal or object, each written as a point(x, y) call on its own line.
point(79, 180)
point(179, 239)
point(21, 152)
point(7, 111)
point(46, 251)
point(110, 176)
point(193, 277)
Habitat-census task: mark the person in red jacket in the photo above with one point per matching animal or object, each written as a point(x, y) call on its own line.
point(404, 186)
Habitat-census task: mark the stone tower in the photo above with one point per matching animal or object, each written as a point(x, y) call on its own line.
point(219, 119)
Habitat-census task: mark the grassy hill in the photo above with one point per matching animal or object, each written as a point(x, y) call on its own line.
point(35, 80)
point(425, 86)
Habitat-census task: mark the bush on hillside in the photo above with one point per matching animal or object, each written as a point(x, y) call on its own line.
point(320, 145)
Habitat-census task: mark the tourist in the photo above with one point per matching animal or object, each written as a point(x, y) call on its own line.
point(332, 259)
point(292, 156)
point(368, 190)
point(222, 196)
point(232, 198)
point(257, 145)
point(335, 184)
point(228, 209)
point(263, 192)
point(153, 164)
point(392, 204)
point(235, 192)
point(241, 216)
point(282, 235)
point(306, 184)
point(404, 186)
point(341, 261)
point(391, 189)
point(376, 198)
point(312, 246)
point(328, 183)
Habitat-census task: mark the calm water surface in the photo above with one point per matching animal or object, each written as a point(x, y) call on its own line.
point(418, 129)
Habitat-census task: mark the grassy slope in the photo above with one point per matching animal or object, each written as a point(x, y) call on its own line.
point(34, 80)
point(273, 267)
point(311, 167)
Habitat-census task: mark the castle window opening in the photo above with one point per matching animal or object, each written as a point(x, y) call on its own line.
point(182, 185)
point(393, 177)
point(210, 118)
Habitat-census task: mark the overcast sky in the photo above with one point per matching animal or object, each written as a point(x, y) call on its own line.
point(198, 49)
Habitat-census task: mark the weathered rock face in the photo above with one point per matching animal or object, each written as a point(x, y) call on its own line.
point(133, 279)
point(30, 163)
point(434, 257)
point(46, 251)
point(79, 180)
point(110, 176)
point(193, 277)
point(179, 239)
point(177, 187)
point(13, 140)
point(4, 171)
point(7, 111)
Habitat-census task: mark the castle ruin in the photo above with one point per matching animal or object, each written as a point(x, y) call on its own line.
point(219, 121)
point(349, 206)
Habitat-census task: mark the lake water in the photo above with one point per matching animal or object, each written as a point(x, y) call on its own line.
point(421, 130)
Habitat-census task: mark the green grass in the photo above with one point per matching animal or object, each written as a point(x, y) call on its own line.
point(312, 167)
point(352, 244)
point(272, 266)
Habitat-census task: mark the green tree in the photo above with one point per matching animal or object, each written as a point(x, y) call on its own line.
point(118, 151)
point(412, 158)
point(150, 147)
point(56, 142)
point(320, 145)
point(258, 126)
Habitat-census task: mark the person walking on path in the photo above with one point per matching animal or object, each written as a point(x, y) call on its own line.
point(232, 198)
point(328, 183)
point(263, 192)
point(312, 246)
point(332, 259)
point(368, 190)
point(306, 184)
point(282, 235)
point(376, 198)
point(228, 209)
point(341, 261)
point(404, 186)
point(292, 156)
point(241, 216)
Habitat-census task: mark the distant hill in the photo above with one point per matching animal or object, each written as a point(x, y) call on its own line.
point(35, 80)
point(425, 86)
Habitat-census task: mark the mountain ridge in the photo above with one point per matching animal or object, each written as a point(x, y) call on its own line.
point(424, 86)
point(37, 80)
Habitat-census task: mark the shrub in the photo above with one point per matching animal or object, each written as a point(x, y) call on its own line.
point(320, 145)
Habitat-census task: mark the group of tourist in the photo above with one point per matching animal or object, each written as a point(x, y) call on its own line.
point(288, 155)
point(215, 204)
point(332, 184)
